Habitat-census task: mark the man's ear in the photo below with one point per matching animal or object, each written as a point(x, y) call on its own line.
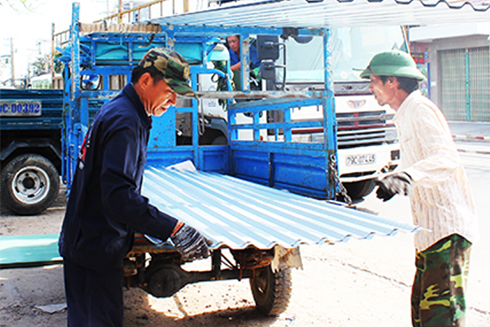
point(145, 80)
point(392, 81)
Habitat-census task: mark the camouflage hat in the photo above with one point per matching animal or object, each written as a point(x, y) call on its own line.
point(174, 68)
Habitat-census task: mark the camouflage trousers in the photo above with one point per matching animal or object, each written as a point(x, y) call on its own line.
point(438, 292)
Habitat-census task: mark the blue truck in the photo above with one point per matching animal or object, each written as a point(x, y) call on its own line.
point(30, 153)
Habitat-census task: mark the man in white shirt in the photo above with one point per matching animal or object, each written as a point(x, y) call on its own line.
point(432, 174)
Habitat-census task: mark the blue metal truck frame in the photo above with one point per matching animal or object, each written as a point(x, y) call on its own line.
point(298, 167)
point(236, 195)
point(302, 168)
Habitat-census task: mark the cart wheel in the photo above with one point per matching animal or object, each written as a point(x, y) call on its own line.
point(271, 291)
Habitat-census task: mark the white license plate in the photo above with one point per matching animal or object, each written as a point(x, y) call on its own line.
point(20, 108)
point(361, 159)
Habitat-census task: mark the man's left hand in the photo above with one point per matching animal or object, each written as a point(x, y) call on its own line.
point(190, 242)
point(397, 183)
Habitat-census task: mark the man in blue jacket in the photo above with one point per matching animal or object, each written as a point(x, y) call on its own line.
point(106, 206)
point(234, 44)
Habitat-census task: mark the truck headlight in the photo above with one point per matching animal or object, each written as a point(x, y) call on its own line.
point(391, 135)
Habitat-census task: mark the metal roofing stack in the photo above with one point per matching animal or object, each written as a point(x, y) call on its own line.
point(235, 213)
point(335, 13)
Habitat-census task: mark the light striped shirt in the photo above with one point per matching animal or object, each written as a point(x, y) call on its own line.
point(441, 200)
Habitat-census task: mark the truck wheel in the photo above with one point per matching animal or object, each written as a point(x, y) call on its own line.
point(30, 183)
point(358, 190)
point(271, 291)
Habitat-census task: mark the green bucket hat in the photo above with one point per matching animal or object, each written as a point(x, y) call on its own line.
point(393, 63)
point(174, 68)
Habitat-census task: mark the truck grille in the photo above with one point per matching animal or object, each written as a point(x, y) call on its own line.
point(365, 128)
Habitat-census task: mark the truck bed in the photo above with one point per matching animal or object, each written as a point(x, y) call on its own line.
point(51, 110)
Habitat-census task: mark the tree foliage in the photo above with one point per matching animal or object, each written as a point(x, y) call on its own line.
point(41, 65)
point(17, 4)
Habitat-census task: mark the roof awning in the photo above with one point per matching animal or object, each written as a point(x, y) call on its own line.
point(334, 13)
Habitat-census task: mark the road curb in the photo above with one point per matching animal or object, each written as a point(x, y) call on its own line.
point(471, 138)
point(474, 151)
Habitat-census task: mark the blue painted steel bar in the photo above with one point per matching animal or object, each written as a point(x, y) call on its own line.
point(65, 132)
point(286, 125)
point(195, 125)
point(289, 125)
point(75, 50)
point(309, 149)
point(262, 94)
point(272, 104)
point(329, 117)
point(256, 126)
point(185, 29)
point(74, 115)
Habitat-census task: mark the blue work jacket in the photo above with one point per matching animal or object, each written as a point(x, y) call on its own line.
point(105, 205)
point(254, 57)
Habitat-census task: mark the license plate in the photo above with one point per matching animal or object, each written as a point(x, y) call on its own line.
point(20, 108)
point(361, 159)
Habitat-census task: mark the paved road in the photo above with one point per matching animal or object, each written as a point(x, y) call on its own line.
point(478, 170)
point(359, 283)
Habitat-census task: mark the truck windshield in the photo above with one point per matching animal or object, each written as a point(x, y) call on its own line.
point(352, 49)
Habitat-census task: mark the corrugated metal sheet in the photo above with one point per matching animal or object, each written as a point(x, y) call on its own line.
point(335, 13)
point(237, 214)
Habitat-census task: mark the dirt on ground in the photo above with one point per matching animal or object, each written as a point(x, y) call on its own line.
point(359, 283)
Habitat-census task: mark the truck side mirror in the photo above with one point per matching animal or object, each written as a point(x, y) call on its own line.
point(268, 47)
point(268, 70)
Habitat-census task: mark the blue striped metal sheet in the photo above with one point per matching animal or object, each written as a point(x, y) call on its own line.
point(235, 213)
point(335, 13)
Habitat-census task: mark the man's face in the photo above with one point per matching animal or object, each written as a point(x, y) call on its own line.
point(158, 97)
point(384, 93)
point(234, 43)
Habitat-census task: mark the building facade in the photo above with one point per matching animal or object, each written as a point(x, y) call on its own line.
point(457, 58)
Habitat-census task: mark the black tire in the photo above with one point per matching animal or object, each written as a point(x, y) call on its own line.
point(30, 183)
point(271, 291)
point(358, 190)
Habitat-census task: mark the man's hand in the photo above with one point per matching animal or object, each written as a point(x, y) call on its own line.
point(393, 184)
point(191, 244)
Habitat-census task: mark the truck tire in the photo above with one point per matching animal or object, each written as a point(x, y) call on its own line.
point(30, 183)
point(358, 190)
point(271, 291)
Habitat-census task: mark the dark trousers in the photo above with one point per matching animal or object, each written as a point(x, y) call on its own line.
point(94, 298)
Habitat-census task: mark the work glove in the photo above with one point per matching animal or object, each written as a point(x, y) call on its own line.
point(400, 183)
point(190, 243)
